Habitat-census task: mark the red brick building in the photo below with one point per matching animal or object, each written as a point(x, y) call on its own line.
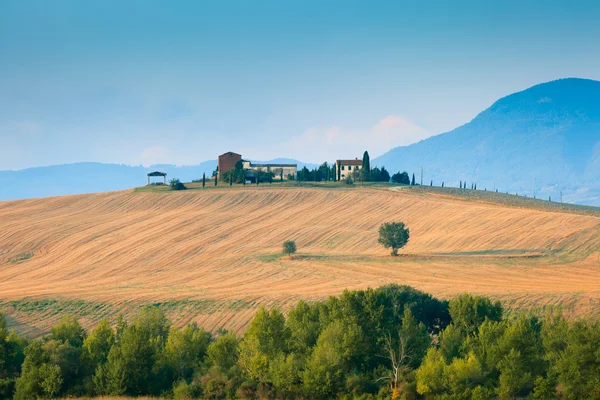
point(227, 162)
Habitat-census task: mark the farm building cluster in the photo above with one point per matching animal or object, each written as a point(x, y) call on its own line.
point(232, 164)
point(230, 161)
point(252, 171)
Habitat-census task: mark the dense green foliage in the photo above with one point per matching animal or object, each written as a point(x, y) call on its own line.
point(401, 177)
point(393, 235)
point(392, 342)
point(176, 184)
point(289, 247)
point(323, 173)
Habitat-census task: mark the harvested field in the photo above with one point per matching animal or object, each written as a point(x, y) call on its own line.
point(212, 256)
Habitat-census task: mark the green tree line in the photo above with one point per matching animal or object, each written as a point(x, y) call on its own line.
point(393, 342)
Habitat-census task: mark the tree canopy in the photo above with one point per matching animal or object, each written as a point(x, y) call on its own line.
point(393, 235)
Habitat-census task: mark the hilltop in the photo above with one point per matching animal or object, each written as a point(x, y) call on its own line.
point(213, 255)
point(547, 136)
point(92, 177)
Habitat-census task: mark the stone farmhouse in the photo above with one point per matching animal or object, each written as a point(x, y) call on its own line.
point(344, 168)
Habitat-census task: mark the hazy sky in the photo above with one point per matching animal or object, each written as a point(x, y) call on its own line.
point(141, 82)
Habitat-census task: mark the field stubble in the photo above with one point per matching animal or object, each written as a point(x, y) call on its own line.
point(213, 257)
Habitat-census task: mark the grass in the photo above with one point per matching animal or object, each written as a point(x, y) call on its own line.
point(20, 258)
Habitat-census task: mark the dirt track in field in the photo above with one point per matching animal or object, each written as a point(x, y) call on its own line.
point(212, 256)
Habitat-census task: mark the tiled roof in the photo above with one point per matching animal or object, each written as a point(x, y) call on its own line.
point(350, 162)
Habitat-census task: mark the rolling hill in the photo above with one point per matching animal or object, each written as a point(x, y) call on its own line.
point(547, 137)
point(90, 177)
point(213, 255)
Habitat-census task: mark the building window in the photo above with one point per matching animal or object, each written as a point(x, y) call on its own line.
point(342, 167)
point(349, 167)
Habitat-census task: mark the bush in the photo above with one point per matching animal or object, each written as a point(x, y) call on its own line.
point(348, 180)
point(176, 185)
point(393, 235)
point(289, 247)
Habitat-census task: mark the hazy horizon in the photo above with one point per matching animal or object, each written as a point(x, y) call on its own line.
point(140, 83)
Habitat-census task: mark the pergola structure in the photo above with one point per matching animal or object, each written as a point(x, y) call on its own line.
point(157, 173)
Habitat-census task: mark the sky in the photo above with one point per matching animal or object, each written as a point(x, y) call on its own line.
point(179, 82)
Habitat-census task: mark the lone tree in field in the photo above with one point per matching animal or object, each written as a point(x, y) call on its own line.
point(289, 247)
point(203, 179)
point(393, 235)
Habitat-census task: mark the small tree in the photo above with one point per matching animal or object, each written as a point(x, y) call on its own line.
point(413, 183)
point(216, 180)
point(203, 179)
point(289, 247)
point(393, 235)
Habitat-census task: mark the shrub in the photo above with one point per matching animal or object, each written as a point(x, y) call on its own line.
point(176, 185)
point(393, 235)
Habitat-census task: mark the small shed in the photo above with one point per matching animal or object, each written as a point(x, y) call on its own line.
point(158, 173)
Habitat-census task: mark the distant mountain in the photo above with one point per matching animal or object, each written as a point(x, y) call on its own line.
point(78, 178)
point(547, 137)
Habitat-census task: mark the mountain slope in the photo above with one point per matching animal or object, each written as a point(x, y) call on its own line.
point(547, 136)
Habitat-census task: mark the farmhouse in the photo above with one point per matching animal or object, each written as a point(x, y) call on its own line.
point(344, 168)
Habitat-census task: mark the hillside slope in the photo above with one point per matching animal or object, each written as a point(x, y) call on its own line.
point(547, 137)
point(213, 255)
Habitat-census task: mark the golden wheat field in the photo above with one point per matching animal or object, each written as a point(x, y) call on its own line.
point(213, 256)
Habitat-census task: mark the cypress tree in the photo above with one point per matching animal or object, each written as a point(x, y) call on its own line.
point(442, 184)
point(366, 164)
point(230, 179)
point(365, 171)
point(413, 180)
point(203, 179)
point(431, 184)
point(215, 180)
point(460, 184)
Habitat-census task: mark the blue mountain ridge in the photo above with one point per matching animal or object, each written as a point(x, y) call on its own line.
point(545, 138)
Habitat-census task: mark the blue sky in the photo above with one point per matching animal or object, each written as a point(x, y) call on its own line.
point(140, 82)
